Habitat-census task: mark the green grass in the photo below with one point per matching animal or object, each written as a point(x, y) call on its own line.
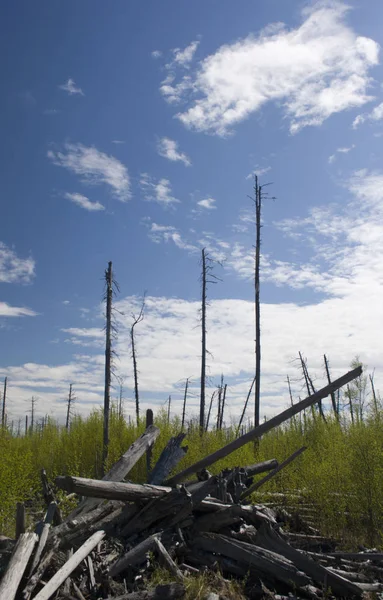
point(341, 473)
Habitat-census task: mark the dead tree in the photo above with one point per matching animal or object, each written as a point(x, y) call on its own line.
point(4, 401)
point(206, 277)
point(220, 393)
point(245, 407)
point(110, 330)
point(223, 405)
point(309, 384)
point(374, 397)
point(184, 404)
point(258, 207)
point(33, 404)
point(136, 320)
point(333, 399)
point(71, 400)
point(120, 380)
point(209, 412)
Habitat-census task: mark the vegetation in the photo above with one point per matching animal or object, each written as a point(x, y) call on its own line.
point(341, 473)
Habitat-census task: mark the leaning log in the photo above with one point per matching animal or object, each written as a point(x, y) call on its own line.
point(170, 457)
point(110, 490)
point(17, 565)
point(123, 466)
point(270, 539)
point(58, 579)
point(259, 431)
point(272, 474)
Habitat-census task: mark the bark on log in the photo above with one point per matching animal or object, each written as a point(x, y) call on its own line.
point(170, 457)
point(44, 564)
point(112, 490)
point(43, 536)
point(166, 560)
point(264, 561)
point(134, 557)
point(261, 467)
point(122, 467)
point(58, 579)
point(272, 474)
point(268, 538)
point(259, 431)
point(17, 565)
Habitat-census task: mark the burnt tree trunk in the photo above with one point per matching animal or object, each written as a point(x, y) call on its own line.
point(108, 362)
point(258, 198)
point(203, 344)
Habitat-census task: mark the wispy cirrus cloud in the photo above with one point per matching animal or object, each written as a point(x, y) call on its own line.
point(70, 87)
point(156, 54)
point(84, 202)
point(184, 57)
point(342, 150)
point(314, 71)
point(168, 233)
point(94, 167)
point(169, 149)
point(259, 171)
point(14, 269)
point(6, 310)
point(157, 191)
point(375, 115)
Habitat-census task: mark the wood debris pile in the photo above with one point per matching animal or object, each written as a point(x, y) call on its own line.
point(108, 546)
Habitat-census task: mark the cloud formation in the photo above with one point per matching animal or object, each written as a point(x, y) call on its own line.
point(169, 149)
point(14, 269)
point(375, 115)
point(6, 310)
point(318, 69)
point(208, 203)
point(84, 202)
point(94, 167)
point(160, 191)
point(71, 88)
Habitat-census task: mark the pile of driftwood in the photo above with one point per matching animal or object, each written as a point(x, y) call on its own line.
point(110, 543)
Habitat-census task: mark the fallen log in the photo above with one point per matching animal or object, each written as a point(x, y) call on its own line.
point(272, 474)
point(268, 538)
point(129, 492)
point(170, 457)
point(264, 561)
point(39, 573)
point(17, 565)
point(166, 560)
point(259, 431)
point(58, 579)
point(43, 537)
point(133, 557)
point(266, 465)
point(122, 467)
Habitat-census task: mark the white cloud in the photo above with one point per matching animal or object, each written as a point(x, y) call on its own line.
point(185, 56)
point(156, 54)
point(344, 150)
point(14, 269)
point(166, 233)
point(259, 171)
point(15, 311)
point(117, 142)
point(208, 203)
point(312, 72)
point(66, 301)
point(94, 167)
point(70, 87)
point(169, 149)
point(84, 202)
point(159, 191)
point(375, 115)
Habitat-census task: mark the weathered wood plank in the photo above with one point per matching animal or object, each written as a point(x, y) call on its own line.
point(17, 565)
point(112, 490)
point(58, 579)
point(259, 431)
point(170, 457)
point(121, 468)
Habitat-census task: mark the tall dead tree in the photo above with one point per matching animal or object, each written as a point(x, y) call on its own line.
point(120, 380)
point(223, 406)
point(136, 320)
point(4, 403)
point(184, 404)
point(258, 208)
point(207, 276)
point(33, 405)
point(70, 403)
point(209, 411)
point(220, 392)
point(333, 399)
point(110, 330)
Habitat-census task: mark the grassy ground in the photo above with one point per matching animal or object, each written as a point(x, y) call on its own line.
point(341, 473)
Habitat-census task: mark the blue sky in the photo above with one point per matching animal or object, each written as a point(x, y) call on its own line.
point(131, 132)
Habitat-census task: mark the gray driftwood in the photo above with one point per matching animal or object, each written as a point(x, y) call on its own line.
point(112, 490)
point(170, 457)
point(17, 565)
